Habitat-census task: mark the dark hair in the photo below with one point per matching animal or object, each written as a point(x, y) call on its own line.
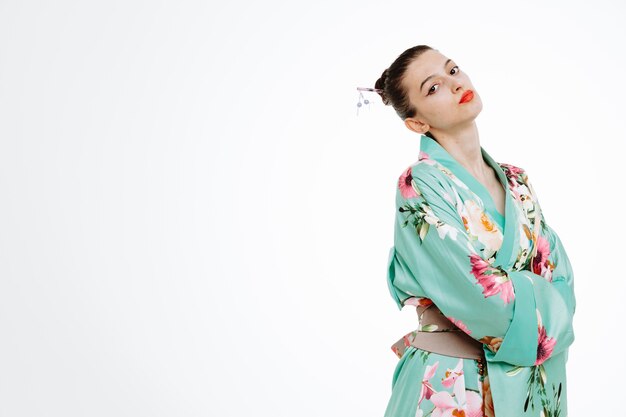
point(390, 82)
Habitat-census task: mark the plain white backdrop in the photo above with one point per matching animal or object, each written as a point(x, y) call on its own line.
point(195, 222)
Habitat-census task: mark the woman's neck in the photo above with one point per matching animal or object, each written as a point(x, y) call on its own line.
point(464, 146)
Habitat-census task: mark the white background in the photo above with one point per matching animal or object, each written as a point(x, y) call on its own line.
point(194, 221)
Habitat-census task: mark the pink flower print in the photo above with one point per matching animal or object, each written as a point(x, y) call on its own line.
point(460, 325)
point(396, 350)
point(474, 404)
point(545, 346)
point(422, 155)
point(512, 173)
point(452, 374)
point(479, 265)
point(405, 184)
point(427, 389)
point(512, 168)
point(493, 280)
point(408, 338)
point(411, 301)
point(541, 264)
point(464, 403)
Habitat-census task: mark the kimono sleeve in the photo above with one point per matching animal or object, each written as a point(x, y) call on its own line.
point(562, 274)
point(433, 257)
point(554, 314)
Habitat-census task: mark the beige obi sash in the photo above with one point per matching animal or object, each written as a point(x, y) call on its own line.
point(439, 335)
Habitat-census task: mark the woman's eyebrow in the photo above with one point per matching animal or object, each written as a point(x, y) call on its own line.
point(431, 76)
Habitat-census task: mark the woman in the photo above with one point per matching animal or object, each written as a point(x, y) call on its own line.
point(491, 281)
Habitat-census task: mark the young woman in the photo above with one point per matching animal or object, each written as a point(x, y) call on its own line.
point(491, 281)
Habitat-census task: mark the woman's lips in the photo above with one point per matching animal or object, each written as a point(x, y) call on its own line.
point(467, 96)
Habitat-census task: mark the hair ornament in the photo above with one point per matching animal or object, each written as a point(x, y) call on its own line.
point(362, 100)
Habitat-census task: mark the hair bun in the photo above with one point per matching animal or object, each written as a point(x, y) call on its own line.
point(380, 84)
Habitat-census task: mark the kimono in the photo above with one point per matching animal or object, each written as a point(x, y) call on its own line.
point(502, 278)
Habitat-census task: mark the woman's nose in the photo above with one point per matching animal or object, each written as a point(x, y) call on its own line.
point(456, 84)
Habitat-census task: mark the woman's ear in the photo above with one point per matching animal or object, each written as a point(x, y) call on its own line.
point(416, 126)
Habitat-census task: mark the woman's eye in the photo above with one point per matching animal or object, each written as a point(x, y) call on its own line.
point(430, 91)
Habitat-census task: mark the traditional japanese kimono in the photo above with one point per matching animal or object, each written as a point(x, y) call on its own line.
point(505, 280)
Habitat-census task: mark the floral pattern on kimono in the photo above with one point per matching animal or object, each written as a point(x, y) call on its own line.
point(505, 280)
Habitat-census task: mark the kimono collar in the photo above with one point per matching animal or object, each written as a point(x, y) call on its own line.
point(438, 153)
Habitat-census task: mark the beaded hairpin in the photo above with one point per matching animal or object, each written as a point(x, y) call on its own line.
point(364, 100)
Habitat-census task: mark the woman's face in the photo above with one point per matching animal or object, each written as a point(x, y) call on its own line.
point(435, 86)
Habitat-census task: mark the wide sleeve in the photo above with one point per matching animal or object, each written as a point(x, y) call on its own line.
point(555, 315)
point(433, 257)
point(562, 273)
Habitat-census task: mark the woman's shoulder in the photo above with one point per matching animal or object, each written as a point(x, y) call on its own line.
point(426, 170)
point(420, 173)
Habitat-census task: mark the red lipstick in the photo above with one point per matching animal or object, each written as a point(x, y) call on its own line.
point(467, 96)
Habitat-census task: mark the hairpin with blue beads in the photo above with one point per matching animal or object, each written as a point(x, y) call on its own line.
point(362, 100)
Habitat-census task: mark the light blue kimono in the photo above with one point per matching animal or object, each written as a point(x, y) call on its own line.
point(504, 280)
